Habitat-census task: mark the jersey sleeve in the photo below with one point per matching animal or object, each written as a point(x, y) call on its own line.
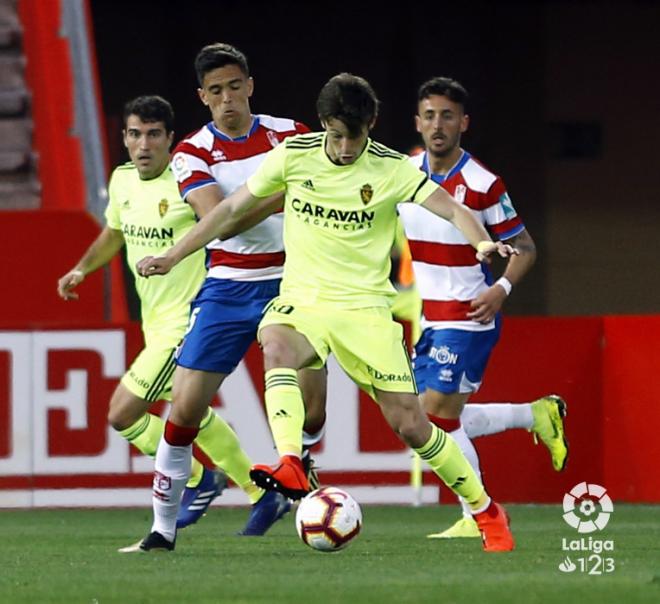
point(500, 215)
point(412, 184)
point(112, 209)
point(190, 169)
point(270, 176)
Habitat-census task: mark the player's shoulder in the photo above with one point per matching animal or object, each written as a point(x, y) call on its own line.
point(417, 160)
point(381, 151)
point(477, 176)
point(128, 166)
point(306, 141)
point(123, 173)
point(201, 139)
point(281, 124)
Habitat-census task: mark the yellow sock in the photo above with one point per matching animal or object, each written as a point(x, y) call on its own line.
point(220, 443)
point(447, 460)
point(285, 410)
point(145, 435)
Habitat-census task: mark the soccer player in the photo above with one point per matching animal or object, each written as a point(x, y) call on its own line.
point(244, 274)
point(341, 192)
point(461, 303)
point(145, 212)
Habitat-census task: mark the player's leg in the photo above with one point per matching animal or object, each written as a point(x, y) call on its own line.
point(444, 411)
point(543, 417)
point(148, 379)
point(224, 328)
point(291, 337)
point(381, 367)
point(449, 366)
point(440, 451)
point(191, 393)
point(313, 384)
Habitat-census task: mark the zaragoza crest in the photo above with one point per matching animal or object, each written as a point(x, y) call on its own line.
point(163, 205)
point(366, 193)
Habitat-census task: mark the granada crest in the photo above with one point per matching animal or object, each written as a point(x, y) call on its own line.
point(366, 193)
point(163, 206)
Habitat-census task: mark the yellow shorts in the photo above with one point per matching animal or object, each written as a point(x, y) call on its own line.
point(150, 375)
point(367, 342)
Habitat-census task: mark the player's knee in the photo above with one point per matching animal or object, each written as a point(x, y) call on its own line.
point(119, 419)
point(277, 354)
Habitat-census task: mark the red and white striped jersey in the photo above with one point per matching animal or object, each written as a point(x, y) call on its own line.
point(210, 158)
point(447, 273)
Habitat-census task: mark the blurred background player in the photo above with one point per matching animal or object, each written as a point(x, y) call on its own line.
point(146, 212)
point(244, 274)
point(461, 304)
point(341, 192)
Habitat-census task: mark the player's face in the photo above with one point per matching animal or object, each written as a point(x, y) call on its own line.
point(342, 147)
point(227, 91)
point(148, 146)
point(441, 122)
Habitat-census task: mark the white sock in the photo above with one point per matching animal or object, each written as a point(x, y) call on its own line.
point(172, 470)
point(491, 418)
point(309, 440)
point(465, 444)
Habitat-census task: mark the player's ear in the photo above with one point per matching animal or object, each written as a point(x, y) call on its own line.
point(123, 137)
point(418, 124)
point(250, 86)
point(465, 122)
point(202, 96)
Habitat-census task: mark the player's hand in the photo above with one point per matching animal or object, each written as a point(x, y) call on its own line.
point(154, 265)
point(68, 282)
point(487, 304)
point(486, 249)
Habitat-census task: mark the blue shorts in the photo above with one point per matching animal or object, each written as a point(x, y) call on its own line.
point(453, 360)
point(223, 323)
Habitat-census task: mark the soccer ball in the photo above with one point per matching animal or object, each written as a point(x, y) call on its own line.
point(328, 519)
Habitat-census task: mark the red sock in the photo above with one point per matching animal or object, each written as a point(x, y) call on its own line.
point(179, 436)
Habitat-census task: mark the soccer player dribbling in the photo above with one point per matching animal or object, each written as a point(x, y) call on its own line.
point(341, 191)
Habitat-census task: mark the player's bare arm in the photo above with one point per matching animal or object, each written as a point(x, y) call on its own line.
point(444, 205)
point(98, 254)
point(224, 220)
point(489, 303)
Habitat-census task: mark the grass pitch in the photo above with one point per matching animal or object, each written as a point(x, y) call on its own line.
point(70, 556)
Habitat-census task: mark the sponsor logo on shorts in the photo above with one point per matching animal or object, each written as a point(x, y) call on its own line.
point(446, 375)
point(139, 381)
point(443, 355)
point(389, 377)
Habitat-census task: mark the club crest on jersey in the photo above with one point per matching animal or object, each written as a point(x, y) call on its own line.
point(366, 193)
point(163, 206)
point(272, 138)
point(459, 193)
point(218, 155)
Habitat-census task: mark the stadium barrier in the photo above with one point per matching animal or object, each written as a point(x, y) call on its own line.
point(56, 448)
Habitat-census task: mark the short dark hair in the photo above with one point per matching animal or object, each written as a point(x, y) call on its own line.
point(150, 108)
point(218, 55)
point(452, 89)
point(349, 99)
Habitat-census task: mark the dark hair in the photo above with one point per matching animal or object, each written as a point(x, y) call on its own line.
point(452, 89)
point(349, 99)
point(151, 108)
point(218, 55)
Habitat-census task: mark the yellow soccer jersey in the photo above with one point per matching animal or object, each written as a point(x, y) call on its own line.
point(153, 217)
point(339, 221)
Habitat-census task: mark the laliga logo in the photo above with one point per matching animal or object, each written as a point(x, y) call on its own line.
point(584, 499)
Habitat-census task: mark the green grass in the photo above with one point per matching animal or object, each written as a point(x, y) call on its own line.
point(70, 556)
